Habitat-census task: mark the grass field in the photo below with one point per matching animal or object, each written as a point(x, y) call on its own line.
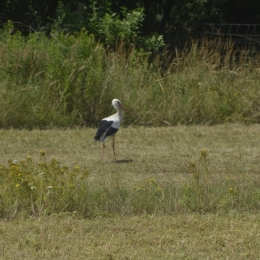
point(138, 237)
point(184, 192)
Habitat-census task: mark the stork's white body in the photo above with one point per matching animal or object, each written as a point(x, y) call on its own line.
point(116, 118)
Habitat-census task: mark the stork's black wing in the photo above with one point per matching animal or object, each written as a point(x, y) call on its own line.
point(104, 130)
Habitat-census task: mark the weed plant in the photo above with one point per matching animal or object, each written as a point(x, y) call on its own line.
point(40, 188)
point(68, 80)
point(31, 188)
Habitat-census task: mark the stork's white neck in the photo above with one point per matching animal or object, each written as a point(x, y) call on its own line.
point(120, 114)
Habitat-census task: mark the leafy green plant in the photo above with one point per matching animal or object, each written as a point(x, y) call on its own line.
point(111, 29)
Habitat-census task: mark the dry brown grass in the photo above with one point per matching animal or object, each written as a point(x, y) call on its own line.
point(140, 237)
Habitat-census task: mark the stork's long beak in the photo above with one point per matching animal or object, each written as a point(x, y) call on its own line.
point(123, 108)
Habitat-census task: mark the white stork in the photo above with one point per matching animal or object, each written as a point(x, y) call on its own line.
point(109, 126)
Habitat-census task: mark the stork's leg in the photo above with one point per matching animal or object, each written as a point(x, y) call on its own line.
point(114, 147)
point(103, 151)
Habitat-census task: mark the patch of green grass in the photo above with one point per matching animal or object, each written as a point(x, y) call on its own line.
point(159, 170)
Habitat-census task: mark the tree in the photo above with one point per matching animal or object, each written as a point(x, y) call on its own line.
point(158, 15)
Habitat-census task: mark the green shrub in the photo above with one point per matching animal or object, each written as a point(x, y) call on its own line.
point(40, 188)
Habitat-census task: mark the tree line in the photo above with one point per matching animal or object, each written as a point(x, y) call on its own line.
point(140, 20)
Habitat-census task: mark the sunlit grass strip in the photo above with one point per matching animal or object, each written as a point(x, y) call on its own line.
point(45, 187)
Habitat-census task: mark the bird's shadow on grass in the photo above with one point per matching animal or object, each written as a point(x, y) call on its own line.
point(124, 161)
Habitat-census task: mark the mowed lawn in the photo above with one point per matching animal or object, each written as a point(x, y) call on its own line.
point(189, 236)
point(162, 154)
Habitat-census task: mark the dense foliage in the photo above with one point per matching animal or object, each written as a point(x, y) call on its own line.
point(113, 18)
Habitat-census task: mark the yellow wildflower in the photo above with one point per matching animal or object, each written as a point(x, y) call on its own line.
point(152, 180)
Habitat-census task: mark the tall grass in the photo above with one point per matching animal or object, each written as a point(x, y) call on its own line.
point(67, 80)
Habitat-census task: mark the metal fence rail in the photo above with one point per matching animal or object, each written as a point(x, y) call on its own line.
point(244, 36)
